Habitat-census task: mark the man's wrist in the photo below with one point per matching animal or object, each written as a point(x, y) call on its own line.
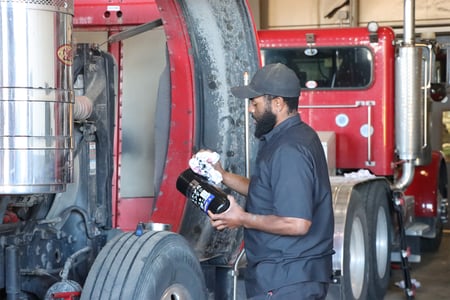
point(249, 220)
point(225, 177)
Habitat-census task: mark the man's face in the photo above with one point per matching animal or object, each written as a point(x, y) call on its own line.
point(261, 110)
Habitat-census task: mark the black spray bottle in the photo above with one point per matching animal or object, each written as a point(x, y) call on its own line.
point(203, 194)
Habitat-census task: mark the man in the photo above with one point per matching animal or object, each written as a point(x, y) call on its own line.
point(288, 222)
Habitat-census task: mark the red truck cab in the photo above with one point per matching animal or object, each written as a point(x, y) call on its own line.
point(347, 78)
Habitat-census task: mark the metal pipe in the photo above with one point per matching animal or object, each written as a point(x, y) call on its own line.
point(236, 272)
point(123, 35)
point(68, 264)
point(12, 280)
point(408, 105)
point(354, 13)
point(247, 133)
point(408, 96)
point(408, 22)
point(357, 104)
point(369, 134)
point(406, 178)
point(425, 109)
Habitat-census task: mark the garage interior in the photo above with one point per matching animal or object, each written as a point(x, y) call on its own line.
point(154, 91)
point(431, 16)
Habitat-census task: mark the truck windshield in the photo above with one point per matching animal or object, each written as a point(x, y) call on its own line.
point(326, 68)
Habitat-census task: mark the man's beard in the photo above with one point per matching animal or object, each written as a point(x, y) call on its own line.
point(265, 124)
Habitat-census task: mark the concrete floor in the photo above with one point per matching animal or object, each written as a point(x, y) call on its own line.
point(433, 273)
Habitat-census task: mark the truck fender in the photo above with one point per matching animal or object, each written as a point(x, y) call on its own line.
point(427, 182)
point(210, 45)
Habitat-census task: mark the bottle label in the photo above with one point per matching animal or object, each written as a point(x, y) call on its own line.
point(201, 198)
point(207, 202)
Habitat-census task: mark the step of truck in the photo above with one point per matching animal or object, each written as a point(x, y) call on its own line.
point(417, 229)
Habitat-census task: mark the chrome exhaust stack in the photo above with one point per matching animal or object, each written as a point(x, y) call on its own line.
point(408, 96)
point(36, 96)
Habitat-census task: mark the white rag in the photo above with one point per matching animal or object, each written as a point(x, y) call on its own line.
point(201, 163)
point(362, 173)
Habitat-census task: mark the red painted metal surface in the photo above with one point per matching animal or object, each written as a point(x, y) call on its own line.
point(115, 50)
point(113, 17)
point(131, 211)
point(66, 295)
point(351, 145)
point(425, 187)
point(170, 204)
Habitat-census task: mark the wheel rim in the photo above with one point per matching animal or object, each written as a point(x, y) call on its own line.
point(176, 292)
point(382, 242)
point(357, 258)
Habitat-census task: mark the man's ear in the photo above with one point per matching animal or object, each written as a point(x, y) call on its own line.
point(278, 102)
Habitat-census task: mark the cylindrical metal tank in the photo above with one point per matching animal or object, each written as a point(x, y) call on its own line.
point(408, 102)
point(36, 96)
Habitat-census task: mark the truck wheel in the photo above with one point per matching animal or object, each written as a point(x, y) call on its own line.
point(156, 265)
point(379, 238)
point(355, 265)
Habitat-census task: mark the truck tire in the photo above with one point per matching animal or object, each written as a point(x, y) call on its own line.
point(379, 237)
point(155, 265)
point(355, 265)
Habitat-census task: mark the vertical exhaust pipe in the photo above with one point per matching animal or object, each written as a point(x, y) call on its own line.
point(408, 108)
point(408, 23)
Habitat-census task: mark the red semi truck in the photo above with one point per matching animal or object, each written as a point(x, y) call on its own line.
point(103, 104)
point(89, 163)
point(369, 94)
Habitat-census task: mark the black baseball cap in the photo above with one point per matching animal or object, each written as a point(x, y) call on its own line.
point(273, 79)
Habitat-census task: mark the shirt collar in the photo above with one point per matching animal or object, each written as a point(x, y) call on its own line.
point(289, 122)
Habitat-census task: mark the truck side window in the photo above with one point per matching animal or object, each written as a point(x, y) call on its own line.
point(326, 68)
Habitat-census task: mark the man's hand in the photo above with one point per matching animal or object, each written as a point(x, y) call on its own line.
point(235, 182)
point(236, 217)
point(232, 218)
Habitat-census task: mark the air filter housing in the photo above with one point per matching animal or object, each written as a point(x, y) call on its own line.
point(36, 96)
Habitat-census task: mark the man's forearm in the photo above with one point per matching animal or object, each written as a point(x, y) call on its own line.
point(236, 182)
point(275, 224)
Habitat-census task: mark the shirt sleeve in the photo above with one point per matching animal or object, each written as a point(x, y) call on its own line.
point(292, 182)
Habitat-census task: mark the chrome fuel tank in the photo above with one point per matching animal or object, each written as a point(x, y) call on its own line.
point(36, 96)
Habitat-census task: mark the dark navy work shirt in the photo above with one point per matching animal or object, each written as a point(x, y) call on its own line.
point(290, 179)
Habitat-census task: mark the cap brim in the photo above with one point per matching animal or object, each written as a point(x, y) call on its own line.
point(245, 92)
